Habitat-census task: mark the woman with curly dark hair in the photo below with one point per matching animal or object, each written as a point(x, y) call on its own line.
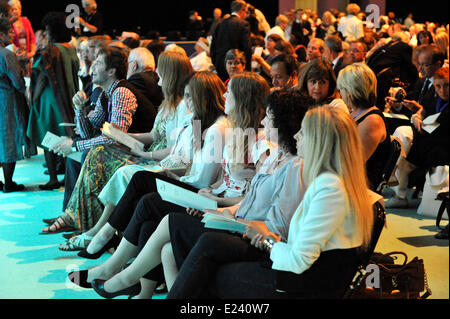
point(54, 82)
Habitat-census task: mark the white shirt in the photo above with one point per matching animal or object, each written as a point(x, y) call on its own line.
point(176, 123)
point(206, 167)
point(351, 26)
point(323, 221)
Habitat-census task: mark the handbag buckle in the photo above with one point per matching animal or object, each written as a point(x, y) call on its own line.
point(394, 281)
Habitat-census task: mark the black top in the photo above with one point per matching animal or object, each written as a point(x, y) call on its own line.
point(375, 164)
point(96, 20)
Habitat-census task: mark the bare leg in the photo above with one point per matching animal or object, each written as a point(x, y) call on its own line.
point(169, 265)
point(148, 258)
point(147, 289)
point(114, 264)
point(101, 238)
point(107, 211)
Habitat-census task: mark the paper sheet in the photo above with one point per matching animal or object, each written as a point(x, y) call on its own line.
point(183, 197)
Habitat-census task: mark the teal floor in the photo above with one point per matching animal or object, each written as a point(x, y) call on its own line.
point(32, 266)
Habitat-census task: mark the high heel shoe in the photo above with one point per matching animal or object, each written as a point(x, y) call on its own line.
point(99, 287)
point(113, 242)
point(80, 278)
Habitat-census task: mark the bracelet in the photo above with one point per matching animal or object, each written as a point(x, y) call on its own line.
point(268, 244)
point(151, 155)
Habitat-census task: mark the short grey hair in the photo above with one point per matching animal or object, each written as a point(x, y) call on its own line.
point(143, 57)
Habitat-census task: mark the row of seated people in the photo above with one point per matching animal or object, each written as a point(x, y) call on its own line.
point(233, 184)
point(346, 91)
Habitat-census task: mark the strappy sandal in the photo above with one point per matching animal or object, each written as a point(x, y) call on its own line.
point(76, 243)
point(59, 226)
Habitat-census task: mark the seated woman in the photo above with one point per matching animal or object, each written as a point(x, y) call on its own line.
point(423, 149)
point(357, 85)
point(326, 233)
point(151, 208)
point(273, 197)
point(235, 63)
point(265, 60)
point(317, 79)
point(84, 209)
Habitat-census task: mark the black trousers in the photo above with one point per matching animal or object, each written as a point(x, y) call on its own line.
point(142, 183)
point(141, 209)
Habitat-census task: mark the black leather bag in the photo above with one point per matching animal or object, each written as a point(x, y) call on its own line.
point(395, 281)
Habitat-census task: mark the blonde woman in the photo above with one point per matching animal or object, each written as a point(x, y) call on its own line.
point(327, 233)
point(357, 85)
point(441, 41)
point(84, 209)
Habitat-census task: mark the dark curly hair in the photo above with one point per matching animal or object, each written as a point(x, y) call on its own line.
point(55, 23)
point(288, 107)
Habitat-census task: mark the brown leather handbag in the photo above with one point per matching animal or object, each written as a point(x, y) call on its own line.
point(395, 281)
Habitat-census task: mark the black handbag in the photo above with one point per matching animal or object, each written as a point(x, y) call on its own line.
point(395, 281)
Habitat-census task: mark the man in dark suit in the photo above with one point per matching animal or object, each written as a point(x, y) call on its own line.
point(334, 53)
point(430, 60)
point(231, 33)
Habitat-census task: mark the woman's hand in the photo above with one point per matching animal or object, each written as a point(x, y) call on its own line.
point(194, 212)
point(417, 122)
point(255, 228)
point(206, 190)
point(140, 152)
point(171, 175)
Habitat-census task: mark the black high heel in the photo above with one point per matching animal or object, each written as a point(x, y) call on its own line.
point(80, 278)
point(99, 287)
point(113, 242)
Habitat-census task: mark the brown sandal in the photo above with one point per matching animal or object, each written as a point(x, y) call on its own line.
point(59, 226)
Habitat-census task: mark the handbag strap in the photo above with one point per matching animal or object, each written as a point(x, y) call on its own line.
point(399, 253)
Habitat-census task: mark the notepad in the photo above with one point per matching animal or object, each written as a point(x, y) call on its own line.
point(121, 137)
point(218, 221)
point(429, 124)
point(183, 197)
point(50, 140)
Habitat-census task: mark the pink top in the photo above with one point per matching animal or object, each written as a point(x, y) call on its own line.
point(31, 39)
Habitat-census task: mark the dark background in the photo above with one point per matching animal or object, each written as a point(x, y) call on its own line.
point(166, 15)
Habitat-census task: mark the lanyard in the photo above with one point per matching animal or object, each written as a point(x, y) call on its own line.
point(440, 108)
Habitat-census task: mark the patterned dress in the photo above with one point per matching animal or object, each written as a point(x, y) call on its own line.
point(84, 208)
point(13, 109)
